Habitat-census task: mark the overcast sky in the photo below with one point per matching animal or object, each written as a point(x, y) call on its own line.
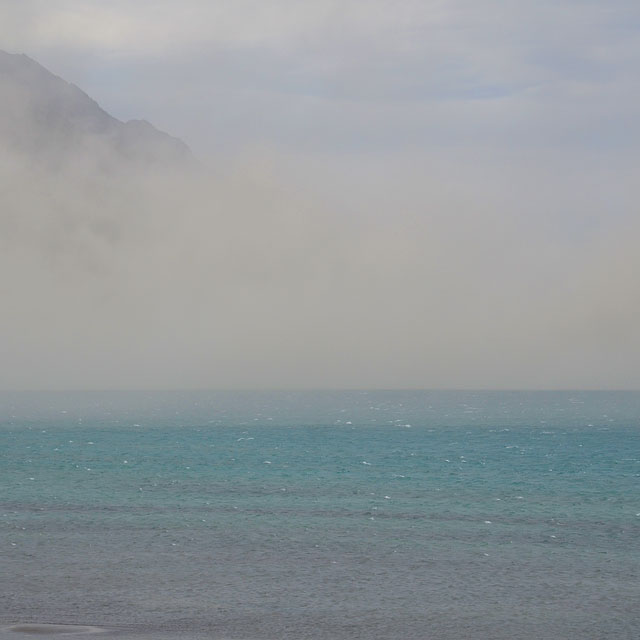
point(482, 156)
point(351, 76)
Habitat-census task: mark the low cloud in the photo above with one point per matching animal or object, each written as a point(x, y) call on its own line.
point(436, 195)
point(244, 279)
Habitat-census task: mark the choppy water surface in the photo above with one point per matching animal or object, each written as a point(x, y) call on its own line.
point(321, 515)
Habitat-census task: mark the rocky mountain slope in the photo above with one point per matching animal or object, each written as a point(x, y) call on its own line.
point(54, 122)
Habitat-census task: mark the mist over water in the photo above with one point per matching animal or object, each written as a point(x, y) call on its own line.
point(128, 264)
point(156, 281)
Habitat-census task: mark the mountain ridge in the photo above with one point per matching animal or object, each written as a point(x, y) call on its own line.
point(45, 117)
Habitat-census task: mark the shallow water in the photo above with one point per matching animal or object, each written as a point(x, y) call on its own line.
point(322, 515)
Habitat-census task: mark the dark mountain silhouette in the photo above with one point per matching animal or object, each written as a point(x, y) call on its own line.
point(54, 122)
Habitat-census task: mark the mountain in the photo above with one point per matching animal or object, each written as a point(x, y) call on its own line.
point(78, 186)
point(54, 122)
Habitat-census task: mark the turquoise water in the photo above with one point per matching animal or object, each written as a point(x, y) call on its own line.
point(322, 514)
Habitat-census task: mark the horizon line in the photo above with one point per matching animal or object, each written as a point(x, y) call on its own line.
point(332, 390)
